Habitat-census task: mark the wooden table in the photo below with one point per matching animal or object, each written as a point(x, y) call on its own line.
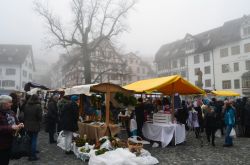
point(95, 132)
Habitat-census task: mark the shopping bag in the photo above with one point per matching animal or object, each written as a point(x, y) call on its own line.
point(218, 133)
point(61, 141)
point(21, 146)
point(233, 133)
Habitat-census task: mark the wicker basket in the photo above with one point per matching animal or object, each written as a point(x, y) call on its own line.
point(135, 147)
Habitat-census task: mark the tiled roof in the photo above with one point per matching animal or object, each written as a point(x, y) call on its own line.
point(229, 32)
point(14, 54)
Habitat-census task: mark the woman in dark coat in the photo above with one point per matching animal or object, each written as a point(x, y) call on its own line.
point(32, 122)
point(210, 123)
point(139, 113)
point(69, 118)
point(8, 126)
point(52, 118)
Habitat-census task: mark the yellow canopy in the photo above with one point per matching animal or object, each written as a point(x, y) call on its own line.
point(225, 93)
point(166, 85)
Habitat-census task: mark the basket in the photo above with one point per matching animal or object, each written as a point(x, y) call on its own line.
point(135, 146)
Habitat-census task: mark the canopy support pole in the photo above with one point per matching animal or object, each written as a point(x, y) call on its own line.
point(172, 101)
point(107, 107)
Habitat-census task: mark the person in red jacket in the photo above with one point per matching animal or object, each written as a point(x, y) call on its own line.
point(8, 126)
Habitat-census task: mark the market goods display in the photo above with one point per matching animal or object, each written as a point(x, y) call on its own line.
point(135, 147)
point(161, 117)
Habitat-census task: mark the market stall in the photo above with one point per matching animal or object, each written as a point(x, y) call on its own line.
point(168, 86)
point(101, 129)
point(225, 93)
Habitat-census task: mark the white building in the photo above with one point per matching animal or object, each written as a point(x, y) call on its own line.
point(221, 54)
point(16, 67)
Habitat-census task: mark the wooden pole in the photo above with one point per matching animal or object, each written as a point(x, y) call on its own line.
point(107, 107)
point(81, 105)
point(172, 102)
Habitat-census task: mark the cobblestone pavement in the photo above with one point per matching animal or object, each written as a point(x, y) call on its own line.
point(188, 153)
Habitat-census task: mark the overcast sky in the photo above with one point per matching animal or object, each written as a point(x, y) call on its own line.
point(152, 22)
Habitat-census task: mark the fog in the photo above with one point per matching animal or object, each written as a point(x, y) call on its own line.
point(152, 23)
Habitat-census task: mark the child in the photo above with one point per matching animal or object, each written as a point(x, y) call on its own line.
point(133, 125)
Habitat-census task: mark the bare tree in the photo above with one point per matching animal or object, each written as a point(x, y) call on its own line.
point(93, 21)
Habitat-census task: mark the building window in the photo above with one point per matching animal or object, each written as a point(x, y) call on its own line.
point(207, 70)
point(224, 52)
point(1, 71)
point(138, 69)
point(183, 73)
point(182, 62)
point(236, 66)
point(0, 83)
point(10, 71)
point(236, 84)
point(208, 83)
point(196, 59)
point(225, 68)
point(235, 50)
point(24, 73)
point(206, 57)
point(246, 82)
point(138, 78)
point(174, 64)
point(190, 45)
point(196, 71)
point(247, 47)
point(8, 83)
point(248, 65)
point(246, 31)
point(226, 84)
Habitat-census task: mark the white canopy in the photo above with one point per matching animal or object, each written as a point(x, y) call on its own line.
point(80, 89)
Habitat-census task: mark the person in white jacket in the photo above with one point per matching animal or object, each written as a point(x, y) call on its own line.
point(133, 125)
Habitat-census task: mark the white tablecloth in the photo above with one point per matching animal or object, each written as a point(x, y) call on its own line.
point(164, 132)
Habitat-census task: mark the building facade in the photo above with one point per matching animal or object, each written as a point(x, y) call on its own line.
point(16, 67)
point(221, 57)
point(137, 69)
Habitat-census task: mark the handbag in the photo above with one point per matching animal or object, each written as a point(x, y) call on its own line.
point(21, 146)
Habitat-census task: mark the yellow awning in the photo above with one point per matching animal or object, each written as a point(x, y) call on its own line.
point(225, 93)
point(166, 85)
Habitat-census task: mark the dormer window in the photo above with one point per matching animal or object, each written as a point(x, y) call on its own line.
point(245, 27)
point(190, 45)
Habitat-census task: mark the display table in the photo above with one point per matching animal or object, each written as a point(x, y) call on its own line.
point(95, 132)
point(164, 132)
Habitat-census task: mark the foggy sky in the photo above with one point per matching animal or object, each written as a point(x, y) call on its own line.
point(152, 22)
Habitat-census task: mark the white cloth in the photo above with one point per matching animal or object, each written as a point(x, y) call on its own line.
point(68, 140)
point(180, 133)
point(164, 132)
point(133, 125)
point(121, 156)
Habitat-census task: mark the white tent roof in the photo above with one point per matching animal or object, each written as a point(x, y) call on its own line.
point(79, 89)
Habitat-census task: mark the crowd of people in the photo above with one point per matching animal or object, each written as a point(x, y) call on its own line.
point(198, 115)
point(62, 113)
point(25, 115)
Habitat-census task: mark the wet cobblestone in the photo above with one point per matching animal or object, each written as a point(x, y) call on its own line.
point(188, 153)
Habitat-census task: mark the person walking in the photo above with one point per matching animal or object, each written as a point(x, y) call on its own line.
point(52, 118)
point(69, 119)
point(32, 122)
point(210, 123)
point(229, 117)
point(8, 126)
